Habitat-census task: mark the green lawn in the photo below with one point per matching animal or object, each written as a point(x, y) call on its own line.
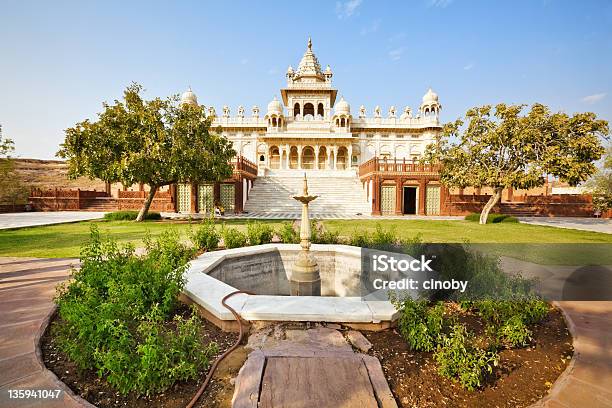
point(64, 240)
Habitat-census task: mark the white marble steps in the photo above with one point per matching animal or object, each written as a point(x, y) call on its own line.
point(336, 194)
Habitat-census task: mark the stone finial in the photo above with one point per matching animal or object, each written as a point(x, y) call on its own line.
point(255, 111)
point(392, 112)
point(377, 113)
point(226, 111)
point(241, 111)
point(211, 112)
point(362, 111)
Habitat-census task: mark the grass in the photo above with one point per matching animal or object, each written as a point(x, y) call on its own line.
point(64, 240)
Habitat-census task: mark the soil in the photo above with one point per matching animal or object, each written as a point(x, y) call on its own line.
point(524, 375)
point(89, 386)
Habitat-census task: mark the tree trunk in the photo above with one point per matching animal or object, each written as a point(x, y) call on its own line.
point(147, 203)
point(490, 204)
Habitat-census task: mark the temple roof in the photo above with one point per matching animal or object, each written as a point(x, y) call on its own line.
point(309, 65)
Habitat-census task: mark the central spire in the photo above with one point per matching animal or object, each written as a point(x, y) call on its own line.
point(309, 65)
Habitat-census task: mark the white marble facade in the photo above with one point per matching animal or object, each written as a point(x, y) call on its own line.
point(309, 129)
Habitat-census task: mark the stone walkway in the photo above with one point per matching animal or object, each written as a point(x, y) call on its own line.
point(331, 215)
point(584, 224)
point(27, 287)
point(33, 219)
point(587, 382)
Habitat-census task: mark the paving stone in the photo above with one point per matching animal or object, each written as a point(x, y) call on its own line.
point(359, 341)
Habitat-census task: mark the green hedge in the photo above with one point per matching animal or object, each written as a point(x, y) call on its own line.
point(492, 218)
point(130, 216)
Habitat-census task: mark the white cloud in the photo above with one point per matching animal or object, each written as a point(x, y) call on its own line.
point(347, 8)
point(396, 53)
point(372, 28)
point(468, 66)
point(244, 61)
point(439, 3)
point(591, 99)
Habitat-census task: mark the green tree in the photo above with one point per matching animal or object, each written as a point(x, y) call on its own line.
point(600, 185)
point(156, 142)
point(501, 147)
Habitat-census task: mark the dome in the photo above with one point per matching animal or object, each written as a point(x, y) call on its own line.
point(342, 107)
point(188, 97)
point(275, 106)
point(430, 97)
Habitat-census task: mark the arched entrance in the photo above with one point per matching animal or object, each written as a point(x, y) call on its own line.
point(309, 109)
point(323, 159)
point(342, 159)
point(308, 158)
point(293, 158)
point(274, 158)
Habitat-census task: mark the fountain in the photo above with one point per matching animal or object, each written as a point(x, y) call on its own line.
point(304, 277)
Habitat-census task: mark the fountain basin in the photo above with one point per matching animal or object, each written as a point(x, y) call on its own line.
point(263, 270)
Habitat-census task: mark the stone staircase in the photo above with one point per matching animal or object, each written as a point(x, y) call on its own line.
point(337, 194)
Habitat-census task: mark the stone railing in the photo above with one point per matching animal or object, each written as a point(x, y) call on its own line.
point(245, 166)
point(378, 165)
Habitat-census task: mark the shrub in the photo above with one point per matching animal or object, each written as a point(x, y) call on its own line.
point(288, 234)
point(514, 332)
point(360, 239)
point(508, 320)
point(206, 236)
point(259, 233)
point(130, 216)
point(232, 238)
point(382, 238)
point(419, 324)
point(319, 235)
point(112, 315)
point(492, 218)
point(459, 358)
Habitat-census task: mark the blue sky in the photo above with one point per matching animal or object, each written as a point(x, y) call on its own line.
point(60, 60)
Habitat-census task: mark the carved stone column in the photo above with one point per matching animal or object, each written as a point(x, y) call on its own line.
point(316, 166)
point(335, 157)
point(300, 148)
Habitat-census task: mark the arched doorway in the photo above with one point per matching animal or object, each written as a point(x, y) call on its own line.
point(309, 109)
point(296, 109)
point(308, 158)
point(293, 158)
point(274, 158)
point(342, 158)
point(322, 165)
point(320, 110)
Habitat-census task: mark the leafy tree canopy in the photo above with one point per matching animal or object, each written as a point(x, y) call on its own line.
point(501, 147)
point(156, 142)
point(600, 185)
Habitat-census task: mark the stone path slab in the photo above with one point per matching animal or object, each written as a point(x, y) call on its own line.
point(579, 223)
point(319, 367)
point(27, 287)
point(33, 219)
